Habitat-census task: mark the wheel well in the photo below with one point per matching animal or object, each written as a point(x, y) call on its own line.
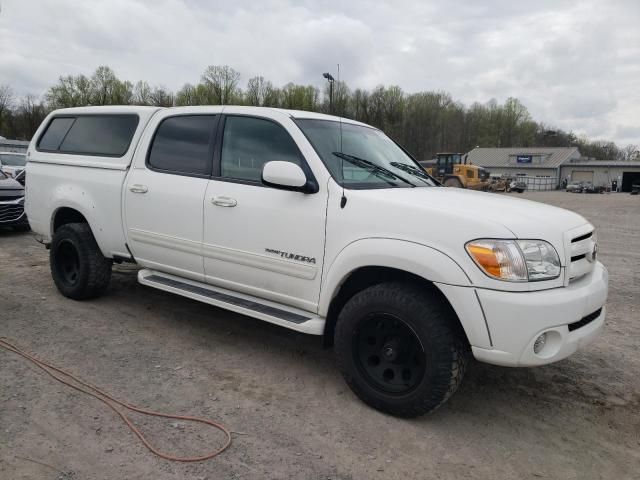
point(66, 215)
point(365, 277)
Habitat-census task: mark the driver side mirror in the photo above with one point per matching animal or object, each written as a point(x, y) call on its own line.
point(287, 176)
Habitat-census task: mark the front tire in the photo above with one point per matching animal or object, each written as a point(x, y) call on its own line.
point(400, 349)
point(453, 182)
point(78, 268)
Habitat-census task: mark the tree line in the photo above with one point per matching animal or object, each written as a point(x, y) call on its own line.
point(424, 123)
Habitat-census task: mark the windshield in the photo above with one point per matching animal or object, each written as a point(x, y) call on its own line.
point(13, 160)
point(364, 157)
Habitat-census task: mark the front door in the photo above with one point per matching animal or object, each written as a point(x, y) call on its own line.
point(165, 191)
point(260, 240)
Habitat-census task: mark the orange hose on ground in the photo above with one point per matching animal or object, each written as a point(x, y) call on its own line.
point(111, 402)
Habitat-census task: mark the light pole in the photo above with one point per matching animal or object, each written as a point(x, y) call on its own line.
point(330, 79)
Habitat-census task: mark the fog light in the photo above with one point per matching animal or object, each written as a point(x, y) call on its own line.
point(540, 342)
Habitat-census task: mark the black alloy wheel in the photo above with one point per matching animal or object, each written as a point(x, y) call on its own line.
point(388, 354)
point(67, 262)
point(400, 348)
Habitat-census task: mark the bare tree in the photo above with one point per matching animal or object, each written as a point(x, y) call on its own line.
point(629, 153)
point(104, 84)
point(258, 90)
point(223, 82)
point(161, 97)
point(6, 102)
point(31, 113)
point(142, 93)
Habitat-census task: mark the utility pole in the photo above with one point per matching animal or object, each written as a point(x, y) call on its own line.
point(330, 79)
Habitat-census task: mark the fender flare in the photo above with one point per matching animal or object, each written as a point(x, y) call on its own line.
point(70, 196)
point(421, 260)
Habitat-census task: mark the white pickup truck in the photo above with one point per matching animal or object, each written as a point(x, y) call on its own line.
point(321, 225)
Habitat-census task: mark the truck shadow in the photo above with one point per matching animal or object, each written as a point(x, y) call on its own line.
point(490, 393)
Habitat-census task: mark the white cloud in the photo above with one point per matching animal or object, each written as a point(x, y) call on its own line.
point(574, 64)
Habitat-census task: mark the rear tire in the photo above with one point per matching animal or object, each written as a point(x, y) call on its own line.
point(400, 348)
point(78, 268)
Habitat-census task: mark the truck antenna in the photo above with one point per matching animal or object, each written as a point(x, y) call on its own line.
point(343, 200)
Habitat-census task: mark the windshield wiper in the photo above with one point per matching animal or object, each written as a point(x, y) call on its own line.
point(412, 170)
point(377, 170)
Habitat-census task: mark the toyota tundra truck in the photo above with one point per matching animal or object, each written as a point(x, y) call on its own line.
point(322, 225)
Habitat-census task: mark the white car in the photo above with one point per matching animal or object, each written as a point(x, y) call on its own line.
point(320, 225)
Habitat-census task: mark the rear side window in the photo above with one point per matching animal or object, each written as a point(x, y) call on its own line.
point(184, 145)
point(55, 133)
point(100, 135)
point(248, 143)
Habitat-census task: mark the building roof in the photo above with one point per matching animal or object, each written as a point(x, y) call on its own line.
point(604, 164)
point(502, 157)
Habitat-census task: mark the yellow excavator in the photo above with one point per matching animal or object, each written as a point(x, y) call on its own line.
point(452, 170)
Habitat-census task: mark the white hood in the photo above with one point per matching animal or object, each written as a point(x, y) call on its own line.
point(525, 218)
point(482, 212)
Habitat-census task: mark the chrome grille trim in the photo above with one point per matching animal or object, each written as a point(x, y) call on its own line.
point(580, 254)
point(10, 212)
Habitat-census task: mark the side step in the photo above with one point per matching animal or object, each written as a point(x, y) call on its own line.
point(272, 312)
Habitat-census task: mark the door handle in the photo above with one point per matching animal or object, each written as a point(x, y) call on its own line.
point(224, 201)
point(137, 188)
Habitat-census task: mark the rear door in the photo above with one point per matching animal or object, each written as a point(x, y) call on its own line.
point(165, 189)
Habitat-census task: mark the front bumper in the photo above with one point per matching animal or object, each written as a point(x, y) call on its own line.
point(516, 319)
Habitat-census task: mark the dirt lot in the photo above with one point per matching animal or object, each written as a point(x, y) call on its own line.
point(578, 419)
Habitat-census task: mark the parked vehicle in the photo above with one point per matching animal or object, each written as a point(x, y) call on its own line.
point(12, 204)
point(517, 186)
point(21, 177)
point(575, 187)
point(321, 226)
point(452, 170)
point(13, 164)
point(590, 188)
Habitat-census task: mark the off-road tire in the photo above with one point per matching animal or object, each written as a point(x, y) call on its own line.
point(435, 325)
point(93, 270)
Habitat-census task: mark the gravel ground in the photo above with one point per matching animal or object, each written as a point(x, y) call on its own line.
point(295, 418)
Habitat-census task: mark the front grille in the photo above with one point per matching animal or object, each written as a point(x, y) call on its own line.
point(9, 198)
point(585, 320)
point(582, 237)
point(582, 255)
point(11, 212)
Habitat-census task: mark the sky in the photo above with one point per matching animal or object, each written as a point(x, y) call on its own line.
point(574, 64)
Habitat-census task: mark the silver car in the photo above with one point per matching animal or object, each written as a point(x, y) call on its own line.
point(13, 164)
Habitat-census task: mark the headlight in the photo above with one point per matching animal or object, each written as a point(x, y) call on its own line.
point(515, 260)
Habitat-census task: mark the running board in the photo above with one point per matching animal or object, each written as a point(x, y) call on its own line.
point(272, 312)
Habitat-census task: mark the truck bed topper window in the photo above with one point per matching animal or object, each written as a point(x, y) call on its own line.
point(96, 135)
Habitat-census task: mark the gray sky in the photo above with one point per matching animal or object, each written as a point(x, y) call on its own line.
point(574, 64)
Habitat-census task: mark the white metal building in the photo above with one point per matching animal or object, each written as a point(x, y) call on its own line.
point(547, 168)
point(539, 168)
point(620, 175)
